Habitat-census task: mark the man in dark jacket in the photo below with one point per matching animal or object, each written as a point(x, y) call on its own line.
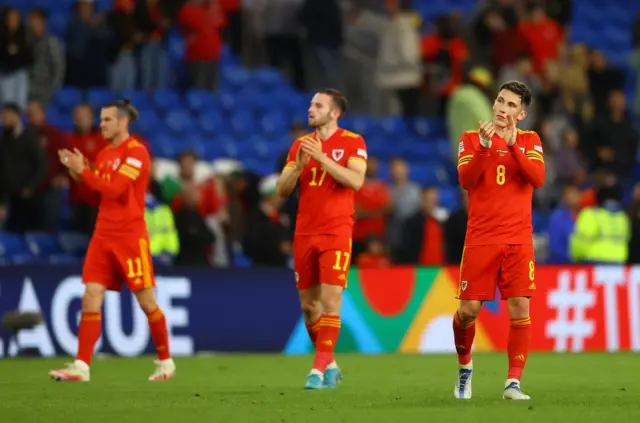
point(23, 166)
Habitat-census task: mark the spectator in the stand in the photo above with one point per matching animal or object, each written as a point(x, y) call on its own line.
point(23, 167)
point(455, 230)
point(422, 235)
point(399, 65)
point(446, 51)
point(163, 236)
point(603, 79)
point(86, 46)
point(574, 86)
point(267, 236)
point(602, 233)
point(561, 223)
point(49, 65)
point(152, 21)
point(469, 103)
point(201, 22)
point(87, 138)
point(374, 255)
point(124, 40)
point(49, 193)
point(568, 161)
point(196, 238)
point(494, 34)
point(542, 36)
point(372, 205)
point(634, 217)
point(278, 21)
point(234, 30)
point(405, 201)
point(615, 139)
point(322, 21)
point(15, 59)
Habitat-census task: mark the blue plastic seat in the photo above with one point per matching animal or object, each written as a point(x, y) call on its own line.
point(13, 247)
point(162, 146)
point(139, 99)
point(268, 79)
point(179, 121)
point(98, 97)
point(393, 126)
point(234, 78)
point(243, 123)
point(199, 101)
point(149, 122)
point(275, 123)
point(73, 243)
point(67, 98)
point(43, 244)
point(211, 122)
point(167, 100)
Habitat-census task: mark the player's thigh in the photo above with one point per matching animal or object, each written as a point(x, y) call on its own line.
point(479, 272)
point(518, 272)
point(305, 262)
point(134, 263)
point(98, 266)
point(334, 260)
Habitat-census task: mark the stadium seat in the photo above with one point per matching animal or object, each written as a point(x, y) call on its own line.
point(98, 97)
point(67, 98)
point(73, 243)
point(243, 123)
point(14, 249)
point(43, 244)
point(211, 122)
point(199, 101)
point(166, 100)
point(179, 121)
point(139, 99)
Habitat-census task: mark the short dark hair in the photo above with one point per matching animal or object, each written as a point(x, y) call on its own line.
point(12, 107)
point(519, 89)
point(41, 13)
point(338, 99)
point(125, 108)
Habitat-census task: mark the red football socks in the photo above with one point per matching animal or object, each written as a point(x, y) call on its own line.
point(329, 330)
point(88, 335)
point(463, 334)
point(312, 329)
point(518, 346)
point(159, 333)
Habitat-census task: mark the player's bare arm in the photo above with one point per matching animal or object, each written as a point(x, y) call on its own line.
point(288, 179)
point(351, 176)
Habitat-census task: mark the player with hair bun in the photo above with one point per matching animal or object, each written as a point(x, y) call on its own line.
point(119, 248)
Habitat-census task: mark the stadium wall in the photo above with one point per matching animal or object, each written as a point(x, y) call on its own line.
point(404, 310)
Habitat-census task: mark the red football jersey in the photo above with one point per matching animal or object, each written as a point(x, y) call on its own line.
point(119, 181)
point(326, 206)
point(500, 181)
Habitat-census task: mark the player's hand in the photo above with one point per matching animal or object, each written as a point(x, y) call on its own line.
point(486, 132)
point(72, 160)
point(512, 132)
point(312, 147)
point(302, 159)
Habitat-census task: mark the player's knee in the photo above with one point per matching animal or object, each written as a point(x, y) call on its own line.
point(331, 304)
point(518, 307)
point(311, 308)
point(93, 297)
point(469, 310)
point(147, 300)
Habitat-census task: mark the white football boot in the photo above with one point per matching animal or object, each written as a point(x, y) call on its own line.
point(462, 390)
point(512, 391)
point(78, 371)
point(165, 370)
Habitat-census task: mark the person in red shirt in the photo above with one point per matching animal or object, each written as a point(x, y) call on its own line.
point(48, 194)
point(373, 204)
point(119, 248)
point(374, 255)
point(542, 36)
point(89, 141)
point(201, 22)
point(329, 165)
point(499, 166)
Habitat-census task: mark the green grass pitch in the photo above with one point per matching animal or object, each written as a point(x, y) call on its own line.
point(565, 388)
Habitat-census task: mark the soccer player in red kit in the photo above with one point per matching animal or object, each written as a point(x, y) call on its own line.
point(499, 166)
point(329, 165)
point(119, 248)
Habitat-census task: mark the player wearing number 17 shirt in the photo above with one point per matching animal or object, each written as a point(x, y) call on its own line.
point(499, 166)
point(329, 165)
point(119, 248)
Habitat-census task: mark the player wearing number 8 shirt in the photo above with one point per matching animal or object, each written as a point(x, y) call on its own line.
point(499, 166)
point(119, 248)
point(329, 166)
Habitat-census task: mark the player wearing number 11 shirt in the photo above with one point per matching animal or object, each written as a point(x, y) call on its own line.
point(329, 165)
point(499, 166)
point(119, 248)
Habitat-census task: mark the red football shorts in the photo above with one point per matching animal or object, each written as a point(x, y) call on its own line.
point(509, 267)
point(112, 262)
point(321, 259)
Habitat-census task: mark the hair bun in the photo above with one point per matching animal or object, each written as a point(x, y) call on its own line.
point(127, 101)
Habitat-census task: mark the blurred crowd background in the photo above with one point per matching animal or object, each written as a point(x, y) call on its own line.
point(223, 88)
